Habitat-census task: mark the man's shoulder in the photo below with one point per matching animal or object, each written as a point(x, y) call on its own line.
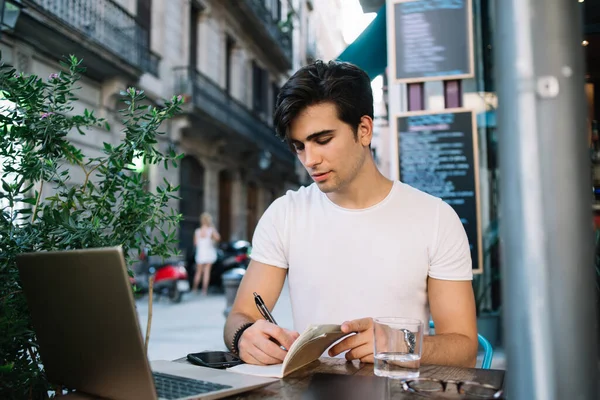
point(303, 192)
point(416, 197)
point(294, 201)
point(302, 195)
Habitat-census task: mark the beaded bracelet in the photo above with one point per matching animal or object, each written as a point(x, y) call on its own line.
point(237, 336)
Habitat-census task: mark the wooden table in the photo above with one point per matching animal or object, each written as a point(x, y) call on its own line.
point(297, 384)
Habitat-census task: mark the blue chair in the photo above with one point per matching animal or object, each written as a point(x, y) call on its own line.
point(488, 350)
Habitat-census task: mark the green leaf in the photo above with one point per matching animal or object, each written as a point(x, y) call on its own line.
point(7, 367)
point(30, 200)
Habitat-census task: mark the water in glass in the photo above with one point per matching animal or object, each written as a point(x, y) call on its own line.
point(397, 365)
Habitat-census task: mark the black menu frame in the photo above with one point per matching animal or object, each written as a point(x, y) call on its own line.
point(470, 148)
point(455, 34)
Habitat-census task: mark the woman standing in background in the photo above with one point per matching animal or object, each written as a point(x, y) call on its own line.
point(206, 253)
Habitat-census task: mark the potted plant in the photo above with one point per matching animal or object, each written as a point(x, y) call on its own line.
point(44, 208)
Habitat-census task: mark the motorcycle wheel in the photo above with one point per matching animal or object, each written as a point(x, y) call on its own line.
point(174, 293)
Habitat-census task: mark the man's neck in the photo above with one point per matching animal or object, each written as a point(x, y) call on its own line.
point(367, 189)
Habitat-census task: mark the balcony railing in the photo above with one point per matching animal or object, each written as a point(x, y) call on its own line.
point(215, 102)
point(109, 25)
point(280, 36)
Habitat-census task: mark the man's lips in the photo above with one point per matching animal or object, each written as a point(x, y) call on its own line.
point(320, 176)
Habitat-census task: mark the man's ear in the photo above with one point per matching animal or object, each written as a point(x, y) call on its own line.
point(365, 130)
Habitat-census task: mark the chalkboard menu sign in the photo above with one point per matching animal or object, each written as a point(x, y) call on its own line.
point(438, 155)
point(432, 40)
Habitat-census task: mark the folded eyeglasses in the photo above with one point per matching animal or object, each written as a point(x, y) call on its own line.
point(452, 389)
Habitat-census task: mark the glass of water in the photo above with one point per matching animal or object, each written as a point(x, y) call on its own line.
point(398, 343)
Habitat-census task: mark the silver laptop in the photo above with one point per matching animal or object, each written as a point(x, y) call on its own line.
point(83, 313)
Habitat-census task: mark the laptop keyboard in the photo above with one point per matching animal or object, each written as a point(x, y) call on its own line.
point(175, 387)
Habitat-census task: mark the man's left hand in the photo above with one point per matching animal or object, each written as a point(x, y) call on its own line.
point(360, 346)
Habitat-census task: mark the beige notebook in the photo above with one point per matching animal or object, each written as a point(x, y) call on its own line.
point(307, 348)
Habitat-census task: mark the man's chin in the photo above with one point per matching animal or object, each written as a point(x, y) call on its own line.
point(326, 187)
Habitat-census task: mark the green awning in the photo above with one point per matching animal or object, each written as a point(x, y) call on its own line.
point(369, 50)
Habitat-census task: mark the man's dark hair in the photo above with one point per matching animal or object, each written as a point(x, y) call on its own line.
point(342, 84)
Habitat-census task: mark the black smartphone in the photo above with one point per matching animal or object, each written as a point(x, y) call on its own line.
point(214, 359)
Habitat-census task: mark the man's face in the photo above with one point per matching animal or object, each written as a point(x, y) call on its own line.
point(327, 147)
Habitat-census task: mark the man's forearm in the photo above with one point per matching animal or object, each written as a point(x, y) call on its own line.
point(449, 349)
point(234, 322)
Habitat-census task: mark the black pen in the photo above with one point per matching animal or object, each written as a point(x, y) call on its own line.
point(264, 311)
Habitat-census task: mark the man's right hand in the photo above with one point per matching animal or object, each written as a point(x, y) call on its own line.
point(256, 347)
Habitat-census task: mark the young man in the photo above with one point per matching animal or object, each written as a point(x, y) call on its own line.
point(354, 245)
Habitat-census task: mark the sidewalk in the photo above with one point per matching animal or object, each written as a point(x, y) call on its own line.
point(196, 324)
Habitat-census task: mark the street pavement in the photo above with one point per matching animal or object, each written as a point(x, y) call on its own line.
point(196, 324)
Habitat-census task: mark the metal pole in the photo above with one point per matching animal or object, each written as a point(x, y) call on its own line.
point(546, 219)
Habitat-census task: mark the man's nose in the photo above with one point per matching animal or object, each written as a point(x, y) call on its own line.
point(311, 157)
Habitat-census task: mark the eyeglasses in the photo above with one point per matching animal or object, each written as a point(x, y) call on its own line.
point(465, 389)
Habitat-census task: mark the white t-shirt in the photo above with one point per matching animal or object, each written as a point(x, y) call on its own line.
point(345, 264)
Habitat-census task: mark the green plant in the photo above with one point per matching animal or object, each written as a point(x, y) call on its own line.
point(287, 25)
point(44, 208)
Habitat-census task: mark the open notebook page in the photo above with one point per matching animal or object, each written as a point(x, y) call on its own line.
point(308, 347)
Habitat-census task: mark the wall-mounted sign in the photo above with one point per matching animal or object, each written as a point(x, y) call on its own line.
point(438, 155)
point(432, 40)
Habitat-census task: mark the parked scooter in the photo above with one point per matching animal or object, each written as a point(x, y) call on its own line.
point(236, 266)
point(170, 278)
point(234, 254)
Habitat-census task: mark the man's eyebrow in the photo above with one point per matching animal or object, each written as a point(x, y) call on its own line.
point(316, 135)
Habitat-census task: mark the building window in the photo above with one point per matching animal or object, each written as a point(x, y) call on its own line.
point(144, 17)
point(260, 89)
point(229, 47)
point(274, 8)
point(194, 21)
point(256, 78)
point(277, 10)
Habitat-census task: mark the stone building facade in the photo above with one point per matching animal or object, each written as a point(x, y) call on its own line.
point(228, 58)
